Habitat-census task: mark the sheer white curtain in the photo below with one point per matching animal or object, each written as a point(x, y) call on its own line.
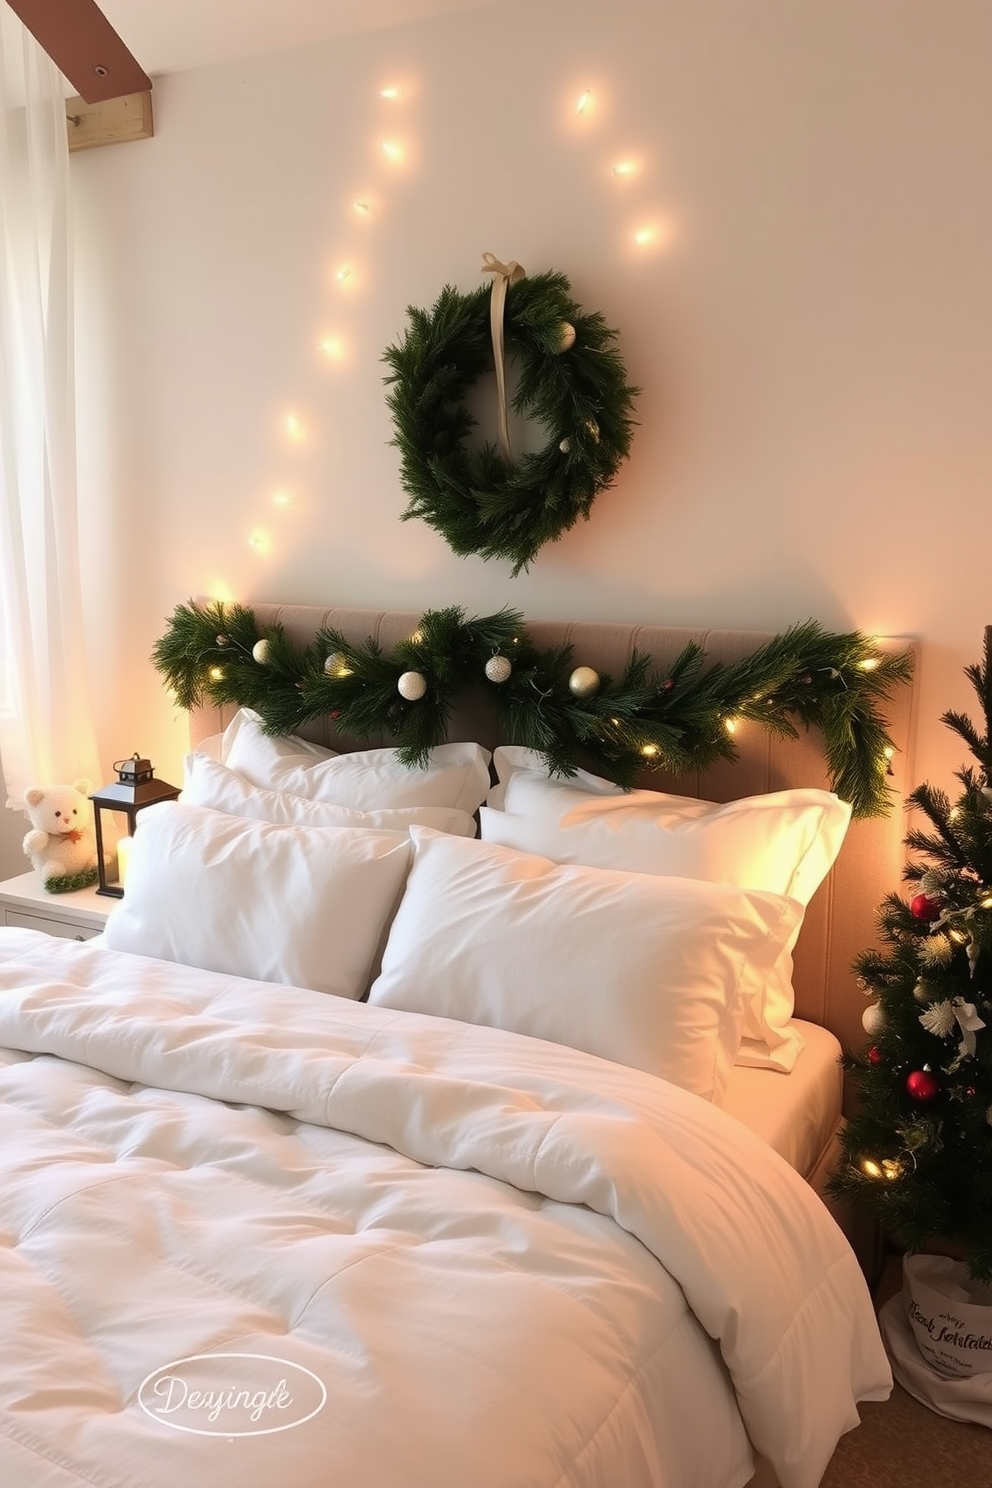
point(47, 733)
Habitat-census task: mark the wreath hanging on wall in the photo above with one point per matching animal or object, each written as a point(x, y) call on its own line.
point(677, 720)
point(571, 379)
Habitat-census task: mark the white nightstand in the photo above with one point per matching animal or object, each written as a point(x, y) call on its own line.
point(76, 916)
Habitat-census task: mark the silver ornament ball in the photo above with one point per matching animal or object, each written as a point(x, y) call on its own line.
point(260, 651)
point(584, 682)
point(412, 686)
point(873, 1020)
point(336, 664)
point(499, 668)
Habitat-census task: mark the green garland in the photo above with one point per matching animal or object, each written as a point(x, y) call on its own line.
point(676, 721)
point(477, 500)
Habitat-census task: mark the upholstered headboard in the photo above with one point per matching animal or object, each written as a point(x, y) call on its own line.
point(840, 920)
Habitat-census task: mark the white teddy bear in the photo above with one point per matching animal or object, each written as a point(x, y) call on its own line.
point(61, 843)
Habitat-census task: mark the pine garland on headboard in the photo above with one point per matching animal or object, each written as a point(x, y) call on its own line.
point(682, 720)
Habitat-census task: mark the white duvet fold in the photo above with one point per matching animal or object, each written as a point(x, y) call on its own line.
point(762, 1265)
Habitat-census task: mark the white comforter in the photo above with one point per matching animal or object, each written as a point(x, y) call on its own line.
point(501, 1258)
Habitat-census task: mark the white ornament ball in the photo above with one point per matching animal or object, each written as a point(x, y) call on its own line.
point(260, 651)
point(412, 686)
point(566, 336)
point(499, 668)
point(873, 1019)
point(584, 682)
point(565, 445)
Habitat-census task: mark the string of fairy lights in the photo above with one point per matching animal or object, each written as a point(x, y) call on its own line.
point(641, 227)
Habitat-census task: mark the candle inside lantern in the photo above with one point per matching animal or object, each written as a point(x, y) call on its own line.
point(124, 846)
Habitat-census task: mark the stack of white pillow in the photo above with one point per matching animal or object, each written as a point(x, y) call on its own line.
point(649, 929)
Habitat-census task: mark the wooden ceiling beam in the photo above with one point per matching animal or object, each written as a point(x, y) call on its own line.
point(84, 47)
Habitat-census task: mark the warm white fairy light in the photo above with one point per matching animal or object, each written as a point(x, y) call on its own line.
point(392, 150)
point(649, 751)
point(869, 664)
point(391, 93)
point(216, 674)
point(294, 426)
point(643, 236)
point(624, 168)
point(731, 725)
point(363, 208)
point(344, 273)
point(259, 541)
point(333, 347)
point(889, 751)
point(585, 98)
point(281, 498)
point(871, 1168)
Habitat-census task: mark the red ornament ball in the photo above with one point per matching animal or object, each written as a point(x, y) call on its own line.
point(874, 1055)
point(922, 1086)
point(924, 908)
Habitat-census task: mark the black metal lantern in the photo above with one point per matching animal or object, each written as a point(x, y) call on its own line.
point(134, 788)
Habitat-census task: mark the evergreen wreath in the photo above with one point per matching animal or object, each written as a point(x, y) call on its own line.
point(676, 721)
point(571, 379)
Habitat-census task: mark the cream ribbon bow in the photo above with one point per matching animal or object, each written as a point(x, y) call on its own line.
point(504, 274)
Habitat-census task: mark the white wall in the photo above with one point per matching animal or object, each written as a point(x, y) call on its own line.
point(814, 343)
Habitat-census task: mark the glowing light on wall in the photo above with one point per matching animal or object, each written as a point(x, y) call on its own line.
point(584, 102)
point(282, 499)
point(332, 347)
point(658, 234)
point(624, 169)
point(393, 151)
point(294, 426)
point(259, 541)
point(345, 273)
point(362, 208)
point(391, 93)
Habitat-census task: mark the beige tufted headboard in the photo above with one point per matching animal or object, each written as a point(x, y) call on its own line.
point(840, 920)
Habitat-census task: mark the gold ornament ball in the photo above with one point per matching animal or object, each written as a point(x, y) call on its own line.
point(260, 651)
point(335, 664)
point(566, 337)
point(499, 668)
point(412, 686)
point(584, 682)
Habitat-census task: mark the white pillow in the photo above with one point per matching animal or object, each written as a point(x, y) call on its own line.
point(304, 906)
point(784, 842)
point(363, 780)
point(206, 782)
point(649, 972)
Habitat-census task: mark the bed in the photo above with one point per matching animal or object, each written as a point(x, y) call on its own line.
point(258, 1233)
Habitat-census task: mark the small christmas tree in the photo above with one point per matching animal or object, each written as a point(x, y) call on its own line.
point(918, 1154)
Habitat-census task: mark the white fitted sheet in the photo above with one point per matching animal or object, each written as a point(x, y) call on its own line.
point(798, 1113)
